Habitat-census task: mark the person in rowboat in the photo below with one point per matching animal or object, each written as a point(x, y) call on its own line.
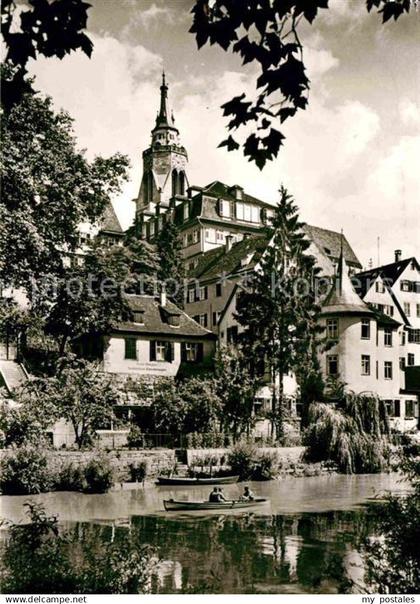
point(248, 495)
point(214, 495)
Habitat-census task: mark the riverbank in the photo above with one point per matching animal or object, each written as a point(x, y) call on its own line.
point(287, 496)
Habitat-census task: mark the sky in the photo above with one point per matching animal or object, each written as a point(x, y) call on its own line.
point(351, 160)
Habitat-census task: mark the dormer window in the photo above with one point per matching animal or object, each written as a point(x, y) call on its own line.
point(224, 208)
point(138, 317)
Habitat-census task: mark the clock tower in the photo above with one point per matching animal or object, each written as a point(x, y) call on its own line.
point(164, 165)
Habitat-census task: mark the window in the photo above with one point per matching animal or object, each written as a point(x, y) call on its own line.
point(409, 408)
point(218, 289)
point(379, 287)
point(247, 212)
point(191, 295)
point(405, 286)
point(185, 240)
point(232, 334)
point(210, 235)
point(365, 364)
point(402, 338)
point(224, 208)
point(365, 329)
point(130, 345)
point(332, 364)
point(201, 319)
point(202, 293)
point(388, 336)
point(190, 238)
point(191, 351)
point(389, 310)
point(418, 310)
point(162, 351)
point(410, 359)
point(414, 336)
point(388, 370)
point(407, 308)
point(402, 363)
point(196, 236)
point(174, 182)
point(332, 329)
point(186, 211)
point(393, 408)
point(216, 316)
point(181, 183)
point(220, 236)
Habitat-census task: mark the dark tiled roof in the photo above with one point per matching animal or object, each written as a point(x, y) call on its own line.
point(383, 319)
point(329, 242)
point(109, 222)
point(218, 261)
point(388, 272)
point(220, 189)
point(154, 319)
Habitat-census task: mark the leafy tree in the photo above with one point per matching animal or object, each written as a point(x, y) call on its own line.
point(265, 33)
point(52, 28)
point(279, 313)
point(90, 298)
point(391, 557)
point(171, 269)
point(189, 406)
point(49, 188)
point(41, 558)
point(353, 434)
point(78, 393)
point(236, 389)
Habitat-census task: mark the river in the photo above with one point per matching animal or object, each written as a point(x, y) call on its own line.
point(305, 541)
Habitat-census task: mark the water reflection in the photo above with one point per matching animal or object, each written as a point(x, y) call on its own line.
point(307, 553)
point(305, 541)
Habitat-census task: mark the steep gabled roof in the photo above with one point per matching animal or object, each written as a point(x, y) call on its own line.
point(220, 261)
point(330, 242)
point(109, 222)
point(155, 319)
point(388, 272)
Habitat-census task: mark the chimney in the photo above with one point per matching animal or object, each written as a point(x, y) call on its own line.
point(163, 297)
point(397, 255)
point(229, 242)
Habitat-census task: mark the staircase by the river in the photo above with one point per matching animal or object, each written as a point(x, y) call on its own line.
point(13, 374)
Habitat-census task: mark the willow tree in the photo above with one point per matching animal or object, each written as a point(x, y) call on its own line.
point(354, 434)
point(279, 312)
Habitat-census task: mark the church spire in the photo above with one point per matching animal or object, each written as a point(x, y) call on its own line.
point(162, 118)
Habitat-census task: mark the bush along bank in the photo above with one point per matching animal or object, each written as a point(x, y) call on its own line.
point(250, 463)
point(28, 471)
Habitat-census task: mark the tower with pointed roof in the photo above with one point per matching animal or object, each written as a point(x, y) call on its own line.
point(164, 165)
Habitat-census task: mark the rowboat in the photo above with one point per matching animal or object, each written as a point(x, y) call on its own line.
point(171, 505)
point(185, 481)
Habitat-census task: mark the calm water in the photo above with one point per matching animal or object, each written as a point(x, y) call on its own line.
point(305, 540)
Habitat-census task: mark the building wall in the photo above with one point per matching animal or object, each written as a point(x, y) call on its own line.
point(350, 347)
point(114, 360)
point(212, 304)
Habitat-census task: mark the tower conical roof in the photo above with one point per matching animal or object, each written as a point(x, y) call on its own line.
point(343, 298)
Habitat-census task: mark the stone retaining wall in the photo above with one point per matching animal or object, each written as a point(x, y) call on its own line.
point(283, 454)
point(157, 460)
